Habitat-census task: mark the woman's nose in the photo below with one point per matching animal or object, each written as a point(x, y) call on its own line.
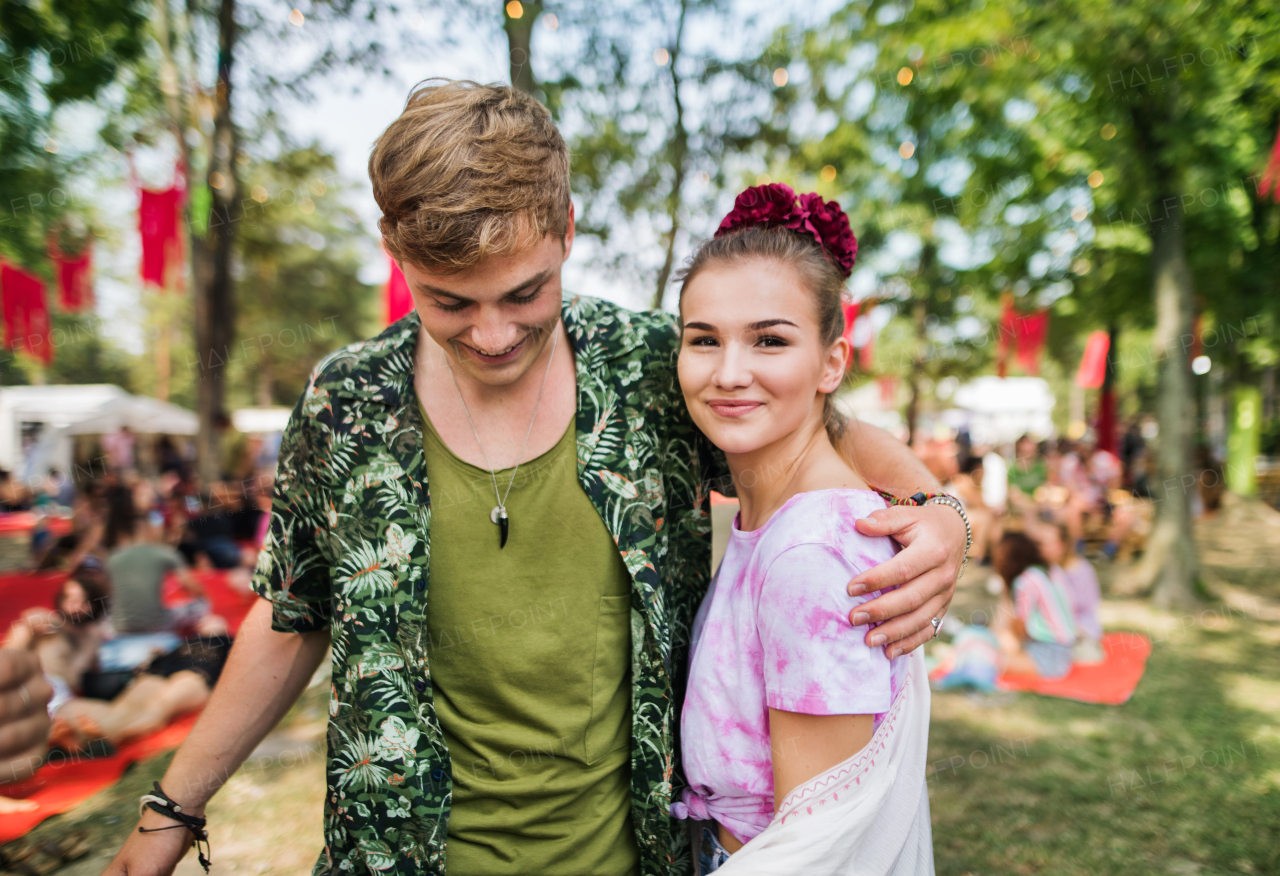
point(733, 371)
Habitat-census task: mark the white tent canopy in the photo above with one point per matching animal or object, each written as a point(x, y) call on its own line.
point(1001, 409)
point(263, 419)
point(51, 415)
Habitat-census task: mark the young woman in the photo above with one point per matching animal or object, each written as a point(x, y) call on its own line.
point(1036, 624)
point(804, 748)
point(1077, 576)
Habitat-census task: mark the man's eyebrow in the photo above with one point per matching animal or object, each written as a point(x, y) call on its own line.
point(535, 280)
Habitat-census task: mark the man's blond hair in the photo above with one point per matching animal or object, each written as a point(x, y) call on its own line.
point(467, 172)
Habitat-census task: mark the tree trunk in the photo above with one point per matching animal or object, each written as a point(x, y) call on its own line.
point(1106, 427)
point(1171, 539)
point(265, 395)
point(679, 151)
point(520, 44)
point(214, 300)
point(917, 372)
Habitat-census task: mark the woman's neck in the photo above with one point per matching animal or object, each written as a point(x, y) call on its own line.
point(801, 461)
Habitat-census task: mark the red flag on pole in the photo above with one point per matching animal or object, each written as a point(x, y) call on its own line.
point(26, 316)
point(1093, 365)
point(398, 298)
point(161, 242)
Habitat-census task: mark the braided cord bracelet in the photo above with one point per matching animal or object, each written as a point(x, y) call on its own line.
point(162, 803)
point(921, 499)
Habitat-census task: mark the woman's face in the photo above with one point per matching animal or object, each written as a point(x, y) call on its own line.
point(752, 365)
point(74, 602)
point(1051, 547)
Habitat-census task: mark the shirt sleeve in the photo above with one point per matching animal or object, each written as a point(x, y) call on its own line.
point(292, 573)
point(815, 663)
point(173, 560)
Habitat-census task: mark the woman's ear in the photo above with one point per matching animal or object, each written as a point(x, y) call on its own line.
point(833, 365)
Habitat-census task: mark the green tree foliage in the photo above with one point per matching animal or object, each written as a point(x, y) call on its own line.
point(1097, 159)
point(52, 54)
point(300, 297)
point(661, 120)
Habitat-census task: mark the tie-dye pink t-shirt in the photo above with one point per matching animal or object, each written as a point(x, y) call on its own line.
point(773, 632)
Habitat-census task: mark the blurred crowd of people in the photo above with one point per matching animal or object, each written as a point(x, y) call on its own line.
point(119, 655)
point(1042, 513)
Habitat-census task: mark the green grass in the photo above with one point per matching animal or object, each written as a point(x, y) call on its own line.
point(1181, 779)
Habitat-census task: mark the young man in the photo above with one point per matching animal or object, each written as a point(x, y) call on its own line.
point(509, 646)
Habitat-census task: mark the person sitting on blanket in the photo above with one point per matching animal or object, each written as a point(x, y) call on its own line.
point(779, 692)
point(64, 640)
point(137, 568)
point(1035, 624)
point(168, 686)
point(66, 637)
point(1078, 577)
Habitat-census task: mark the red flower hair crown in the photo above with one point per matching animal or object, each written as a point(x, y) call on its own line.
point(776, 206)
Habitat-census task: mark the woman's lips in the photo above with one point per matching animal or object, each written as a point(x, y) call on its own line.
point(499, 359)
point(733, 407)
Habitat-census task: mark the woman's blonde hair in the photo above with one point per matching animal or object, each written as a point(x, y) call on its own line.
point(467, 172)
point(820, 277)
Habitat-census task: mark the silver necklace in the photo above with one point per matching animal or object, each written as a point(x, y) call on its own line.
point(499, 513)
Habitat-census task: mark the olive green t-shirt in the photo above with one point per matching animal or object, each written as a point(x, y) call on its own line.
point(530, 661)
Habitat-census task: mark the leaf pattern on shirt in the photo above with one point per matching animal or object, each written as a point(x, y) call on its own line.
point(349, 551)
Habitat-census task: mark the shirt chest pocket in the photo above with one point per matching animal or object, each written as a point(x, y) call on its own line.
point(610, 728)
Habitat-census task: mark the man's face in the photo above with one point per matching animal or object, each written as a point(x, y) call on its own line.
point(493, 320)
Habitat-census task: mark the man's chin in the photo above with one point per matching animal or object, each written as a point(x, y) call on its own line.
point(497, 375)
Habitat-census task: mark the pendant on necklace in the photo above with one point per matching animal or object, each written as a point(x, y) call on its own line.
point(499, 516)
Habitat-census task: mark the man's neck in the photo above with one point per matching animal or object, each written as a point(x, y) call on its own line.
point(500, 415)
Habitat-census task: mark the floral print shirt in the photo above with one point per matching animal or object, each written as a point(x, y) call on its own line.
point(349, 550)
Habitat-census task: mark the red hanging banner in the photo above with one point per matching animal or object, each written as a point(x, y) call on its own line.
point(1270, 182)
point(1093, 364)
point(1032, 330)
point(1026, 333)
point(161, 243)
point(850, 317)
point(26, 315)
point(75, 283)
point(399, 300)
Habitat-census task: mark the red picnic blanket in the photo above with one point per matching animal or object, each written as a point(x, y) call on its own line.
point(1110, 682)
point(64, 783)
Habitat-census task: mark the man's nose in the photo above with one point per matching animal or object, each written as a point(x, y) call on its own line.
point(493, 332)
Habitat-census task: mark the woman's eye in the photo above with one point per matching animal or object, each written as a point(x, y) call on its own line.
point(702, 341)
point(770, 341)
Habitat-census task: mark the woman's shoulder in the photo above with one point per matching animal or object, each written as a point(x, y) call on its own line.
point(1033, 576)
point(826, 518)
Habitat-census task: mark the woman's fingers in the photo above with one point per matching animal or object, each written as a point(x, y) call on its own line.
point(908, 617)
